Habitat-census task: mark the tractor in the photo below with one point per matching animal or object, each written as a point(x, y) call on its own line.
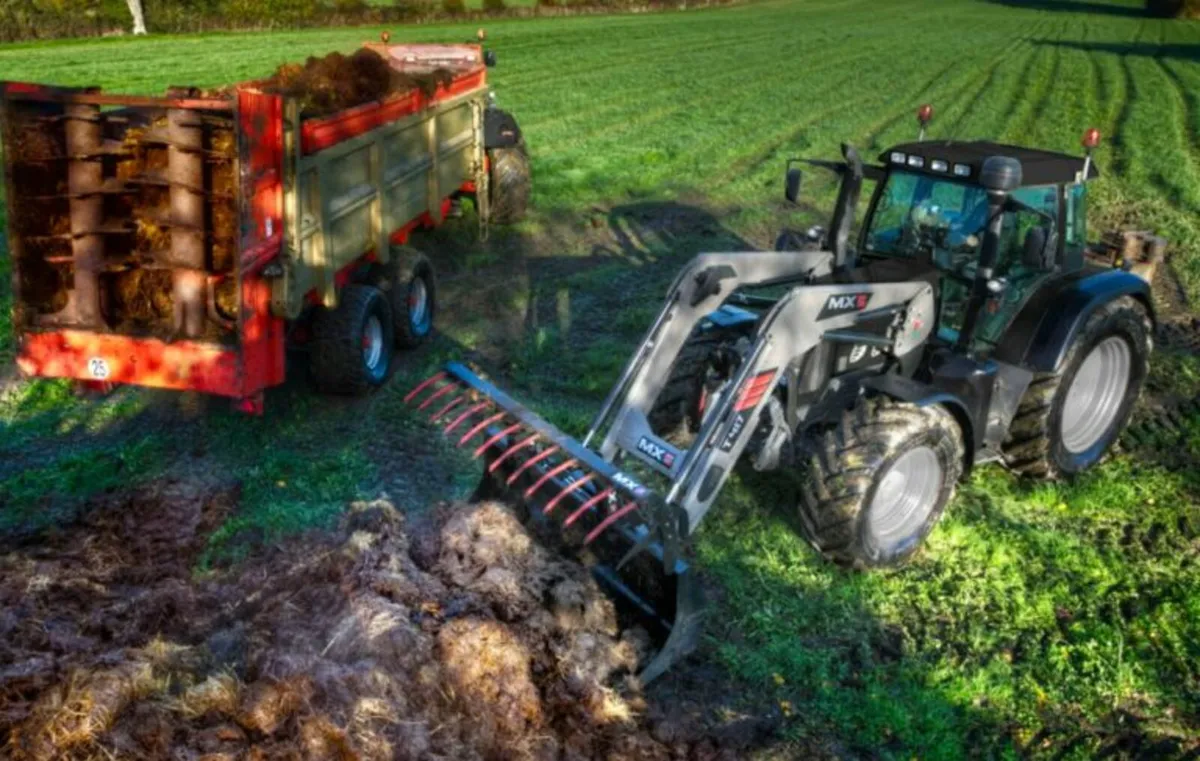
point(963, 324)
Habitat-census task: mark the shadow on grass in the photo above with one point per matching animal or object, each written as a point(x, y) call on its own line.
point(1076, 6)
point(1181, 51)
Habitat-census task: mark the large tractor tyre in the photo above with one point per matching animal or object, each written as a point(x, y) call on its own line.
point(352, 344)
point(509, 183)
point(878, 482)
point(1068, 419)
point(411, 288)
point(679, 409)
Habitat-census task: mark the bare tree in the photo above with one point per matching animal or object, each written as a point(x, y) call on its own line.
point(139, 18)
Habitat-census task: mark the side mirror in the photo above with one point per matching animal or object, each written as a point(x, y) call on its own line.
point(1038, 251)
point(792, 184)
point(489, 58)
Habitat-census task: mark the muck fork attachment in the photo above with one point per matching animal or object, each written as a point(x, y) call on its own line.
point(631, 540)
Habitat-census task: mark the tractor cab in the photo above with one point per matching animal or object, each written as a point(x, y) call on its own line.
point(929, 206)
point(929, 215)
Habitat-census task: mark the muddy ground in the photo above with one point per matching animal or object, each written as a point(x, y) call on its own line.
point(451, 636)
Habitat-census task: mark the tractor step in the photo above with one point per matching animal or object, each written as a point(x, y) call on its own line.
point(620, 529)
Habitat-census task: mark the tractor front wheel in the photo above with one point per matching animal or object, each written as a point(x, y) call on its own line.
point(1069, 418)
point(352, 344)
point(702, 367)
point(878, 482)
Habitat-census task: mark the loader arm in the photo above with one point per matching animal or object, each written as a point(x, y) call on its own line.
point(798, 322)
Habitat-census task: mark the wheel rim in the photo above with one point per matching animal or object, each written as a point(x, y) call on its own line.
point(1096, 394)
point(418, 306)
point(372, 343)
point(905, 496)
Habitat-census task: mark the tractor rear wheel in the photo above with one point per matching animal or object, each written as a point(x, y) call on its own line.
point(698, 371)
point(878, 482)
point(509, 183)
point(1068, 419)
point(352, 344)
point(412, 291)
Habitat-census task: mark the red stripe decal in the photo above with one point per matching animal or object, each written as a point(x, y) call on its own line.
point(484, 447)
point(586, 506)
point(479, 427)
point(530, 463)
point(754, 390)
point(548, 475)
point(468, 413)
point(512, 450)
point(440, 392)
point(570, 488)
point(424, 384)
point(610, 520)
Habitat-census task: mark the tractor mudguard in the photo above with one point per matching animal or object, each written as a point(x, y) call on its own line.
point(1040, 335)
point(922, 394)
point(732, 318)
point(500, 129)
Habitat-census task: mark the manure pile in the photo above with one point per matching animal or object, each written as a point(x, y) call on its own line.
point(336, 82)
point(455, 636)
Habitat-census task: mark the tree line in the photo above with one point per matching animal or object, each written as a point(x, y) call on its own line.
point(48, 19)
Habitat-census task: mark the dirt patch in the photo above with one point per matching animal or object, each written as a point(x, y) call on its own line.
point(336, 82)
point(456, 637)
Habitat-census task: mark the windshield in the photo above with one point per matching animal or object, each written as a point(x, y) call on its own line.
point(919, 214)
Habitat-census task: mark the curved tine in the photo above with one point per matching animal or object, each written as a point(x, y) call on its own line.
point(587, 506)
point(449, 406)
point(484, 446)
point(468, 413)
point(423, 385)
point(550, 474)
point(610, 520)
point(570, 488)
point(479, 427)
point(527, 441)
point(437, 395)
point(530, 463)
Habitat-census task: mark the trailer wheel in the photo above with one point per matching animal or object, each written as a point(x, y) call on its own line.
point(878, 482)
point(1068, 419)
point(412, 291)
point(352, 344)
point(509, 183)
point(679, 409)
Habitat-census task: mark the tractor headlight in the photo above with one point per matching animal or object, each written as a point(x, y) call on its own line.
point(939, 166)
point(898, 157)
point(916, 161)
point(962, 170)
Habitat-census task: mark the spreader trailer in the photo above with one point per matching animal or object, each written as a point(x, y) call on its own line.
point(185, 241)
point(965, 326)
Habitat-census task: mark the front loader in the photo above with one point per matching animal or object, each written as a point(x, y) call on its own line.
point(962, 327)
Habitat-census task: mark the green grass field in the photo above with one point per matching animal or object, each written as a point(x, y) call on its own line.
point(1046, 620)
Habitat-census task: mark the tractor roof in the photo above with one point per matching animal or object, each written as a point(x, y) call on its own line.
point(1038, 167)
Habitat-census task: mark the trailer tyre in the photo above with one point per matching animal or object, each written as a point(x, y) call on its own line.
point(412, 291)
point(510, 183)
point(879, 481)
point(1068, 419)
point(352, 344)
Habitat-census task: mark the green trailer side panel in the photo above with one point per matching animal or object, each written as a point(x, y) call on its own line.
point(347, 199)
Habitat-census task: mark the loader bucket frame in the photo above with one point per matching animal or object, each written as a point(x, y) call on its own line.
point(632, 537)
